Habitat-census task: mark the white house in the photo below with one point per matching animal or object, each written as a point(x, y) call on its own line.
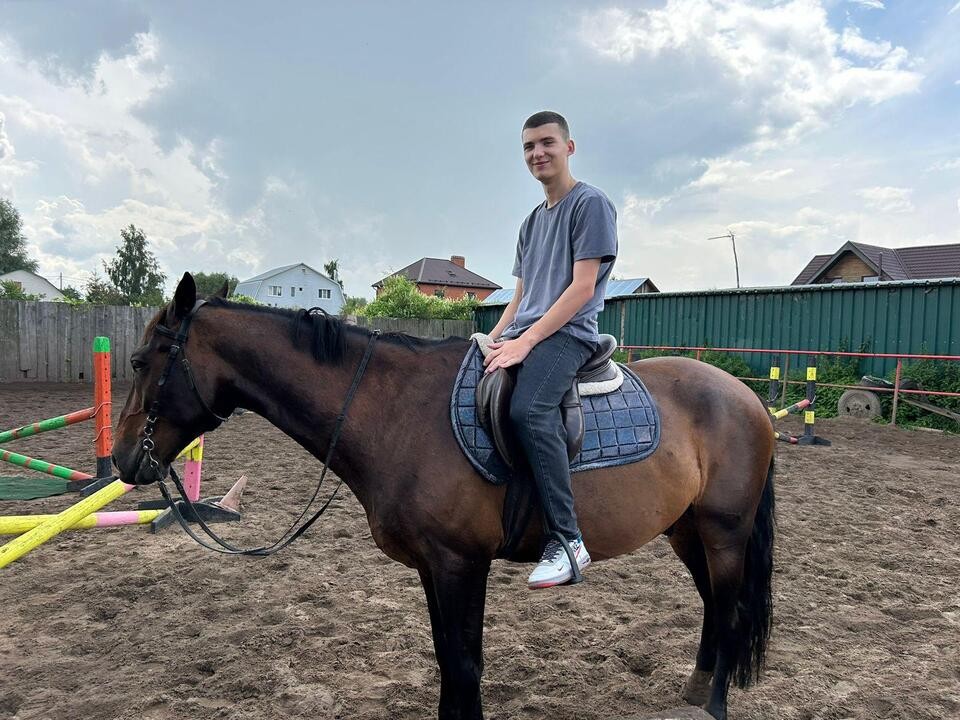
point(33, 284)
point(294, 286)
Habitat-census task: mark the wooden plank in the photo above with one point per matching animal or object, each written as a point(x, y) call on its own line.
point(932, 408)
point(28, 340)
point(9, 341)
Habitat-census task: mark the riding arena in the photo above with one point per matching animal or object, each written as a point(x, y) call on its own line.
point(118, 622)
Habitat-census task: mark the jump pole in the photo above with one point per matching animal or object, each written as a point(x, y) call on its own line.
point(99, 413)
point(19, 524)
point(60, 522)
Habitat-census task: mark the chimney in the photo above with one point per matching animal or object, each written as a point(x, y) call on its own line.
point(459, 260)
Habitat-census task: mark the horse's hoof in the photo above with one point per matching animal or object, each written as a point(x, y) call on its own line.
point(696, 690)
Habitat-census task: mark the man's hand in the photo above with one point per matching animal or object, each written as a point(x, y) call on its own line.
point(506, 353)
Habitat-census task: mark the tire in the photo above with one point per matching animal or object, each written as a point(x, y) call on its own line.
point(859, 403)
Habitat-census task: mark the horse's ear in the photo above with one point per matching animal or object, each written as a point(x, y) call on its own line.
point(185, 296)
point(222, 292)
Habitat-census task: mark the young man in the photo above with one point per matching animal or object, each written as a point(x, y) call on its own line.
point(564, 256)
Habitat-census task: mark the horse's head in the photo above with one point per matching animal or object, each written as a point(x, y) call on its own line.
point(176, 388)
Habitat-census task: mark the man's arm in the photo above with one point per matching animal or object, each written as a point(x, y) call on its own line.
point(578, 293)
point(509, 312)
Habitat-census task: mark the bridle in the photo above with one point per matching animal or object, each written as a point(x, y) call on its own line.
point(147, 445)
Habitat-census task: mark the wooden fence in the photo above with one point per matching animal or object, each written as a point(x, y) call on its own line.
point(416, 326)
point(53, 342)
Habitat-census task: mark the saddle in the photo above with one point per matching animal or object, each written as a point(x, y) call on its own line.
point(597, 376)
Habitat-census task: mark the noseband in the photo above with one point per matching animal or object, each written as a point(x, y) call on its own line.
point(147, 445)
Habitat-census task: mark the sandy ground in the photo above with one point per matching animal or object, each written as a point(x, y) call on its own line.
point(118, 623)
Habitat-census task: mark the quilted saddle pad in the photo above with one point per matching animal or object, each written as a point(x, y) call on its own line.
point(619, 428)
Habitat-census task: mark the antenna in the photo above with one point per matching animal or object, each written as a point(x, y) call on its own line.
point(736, 263)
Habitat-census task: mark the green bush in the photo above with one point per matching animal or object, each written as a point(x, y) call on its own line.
point(400, 298)
point(937, 375)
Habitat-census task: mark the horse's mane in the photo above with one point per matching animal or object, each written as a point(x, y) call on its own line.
point(327, 334)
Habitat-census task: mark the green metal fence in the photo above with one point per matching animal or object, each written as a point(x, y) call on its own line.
point(901, 317)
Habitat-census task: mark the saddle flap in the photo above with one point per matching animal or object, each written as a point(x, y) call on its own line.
point(493, 412)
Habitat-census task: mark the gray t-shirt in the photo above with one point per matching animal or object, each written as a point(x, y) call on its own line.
point(582, 226)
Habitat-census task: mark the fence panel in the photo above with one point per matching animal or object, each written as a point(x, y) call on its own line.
point(921, 317)
point(52, 342)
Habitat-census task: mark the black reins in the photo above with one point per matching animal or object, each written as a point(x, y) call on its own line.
point(147, 446)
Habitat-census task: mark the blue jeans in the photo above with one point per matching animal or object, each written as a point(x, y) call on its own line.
point(542, 380)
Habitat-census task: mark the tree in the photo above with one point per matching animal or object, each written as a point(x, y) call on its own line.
point(135, 271)
point(72, 294)
point(353, 305)
point(332, 269)
point(100, 291)
point(209, 283)
point(10, 290)
point(13, 251)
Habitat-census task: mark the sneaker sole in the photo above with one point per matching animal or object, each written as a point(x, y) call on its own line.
point(543, 585)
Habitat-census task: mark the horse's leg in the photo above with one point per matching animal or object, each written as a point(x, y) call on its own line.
point(456, 591)
point(726, 573)
point(739, 551)
point(687, 545)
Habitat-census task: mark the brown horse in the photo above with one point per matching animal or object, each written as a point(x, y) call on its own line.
point(708, 487)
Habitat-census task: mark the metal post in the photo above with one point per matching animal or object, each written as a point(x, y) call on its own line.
point(774, 387)
point(809, 414)
point(786, 380)
point(896, 391)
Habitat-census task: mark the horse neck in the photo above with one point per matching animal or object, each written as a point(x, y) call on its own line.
point(303, 397)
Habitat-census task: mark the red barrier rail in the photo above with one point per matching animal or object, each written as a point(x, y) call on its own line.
point(896, 389)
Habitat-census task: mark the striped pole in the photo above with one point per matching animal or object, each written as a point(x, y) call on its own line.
point(796, 407)
point(20, 546)
point(55, 423)
point(42, 466)
point(19, 524)
point(103, 438)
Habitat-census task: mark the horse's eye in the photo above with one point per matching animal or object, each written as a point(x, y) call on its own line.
point(137, 364)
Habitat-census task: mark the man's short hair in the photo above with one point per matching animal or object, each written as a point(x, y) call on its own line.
point(545, 117)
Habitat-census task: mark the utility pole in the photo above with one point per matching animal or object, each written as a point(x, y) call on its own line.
point(733, 241)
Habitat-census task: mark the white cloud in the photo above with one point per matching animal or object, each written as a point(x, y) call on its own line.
point(854, 43)
point(953, 164)
point(771, 175)
point(869, 4)
point(954, 9)
point(782, 57)
point(888, 199)
point(6, 147)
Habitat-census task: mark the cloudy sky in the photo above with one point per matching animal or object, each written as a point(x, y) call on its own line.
point(242, 136)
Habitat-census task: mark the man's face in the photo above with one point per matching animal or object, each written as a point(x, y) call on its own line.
point(546, 152)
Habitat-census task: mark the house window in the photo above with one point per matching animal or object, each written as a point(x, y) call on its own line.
point(275, 291)
point(439, 292)
point(471, 296)
point(293, 291)
point(871, 278)
point(323, 293)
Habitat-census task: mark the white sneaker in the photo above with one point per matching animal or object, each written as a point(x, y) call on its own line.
point(554, 568)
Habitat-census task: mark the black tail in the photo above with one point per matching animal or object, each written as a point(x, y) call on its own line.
point(755, 605)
